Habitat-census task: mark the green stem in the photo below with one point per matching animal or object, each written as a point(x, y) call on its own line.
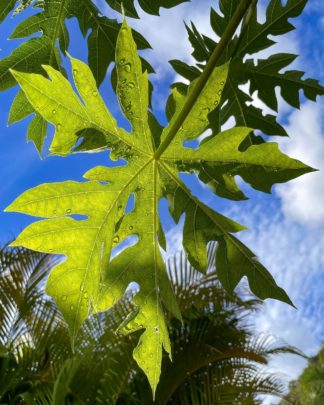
point(212, 63)
point(247, 18)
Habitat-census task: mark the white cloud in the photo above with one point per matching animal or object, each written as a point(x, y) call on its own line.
point(168, 36)
point(294, 255)
point(167, 33)
point(302, 198)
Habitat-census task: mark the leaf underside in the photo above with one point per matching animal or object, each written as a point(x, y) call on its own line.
point(50, 23)
point(92, 278)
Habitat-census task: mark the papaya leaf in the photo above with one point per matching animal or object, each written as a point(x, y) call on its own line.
point(93, 278)
point(262, 76)
point(50, 22)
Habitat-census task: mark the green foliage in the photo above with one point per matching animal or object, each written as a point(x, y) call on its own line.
point(261, 75)
point(92, 279)
point(150, 6)
point(50, 22)
point(309, 388)
point(5, 7)
point(38, 367)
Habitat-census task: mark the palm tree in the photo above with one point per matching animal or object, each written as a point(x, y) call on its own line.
point(309, 388)
point(216, 357)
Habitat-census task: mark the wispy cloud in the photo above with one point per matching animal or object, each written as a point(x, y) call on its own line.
point(302, 199)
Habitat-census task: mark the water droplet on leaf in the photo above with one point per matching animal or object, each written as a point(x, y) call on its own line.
point(116, 240)
point(128, 67)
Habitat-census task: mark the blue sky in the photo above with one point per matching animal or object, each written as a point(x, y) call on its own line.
point(285, 227)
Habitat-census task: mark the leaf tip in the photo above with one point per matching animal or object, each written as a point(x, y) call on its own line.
point(14, 243)
point(10, 208)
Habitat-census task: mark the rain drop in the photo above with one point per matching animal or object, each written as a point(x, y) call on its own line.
point(222, 83)
point(116, 239)
point(220, 92)
point(75, 71)
point(129, 107)
point(128, 67)
point(120, 207)
point(131, 85)
point(204, 113)
point(68, 211)
point(54, 212)
point(156, 328)
point(131, 228)
point(122, 61)
point(58, 126)
point(54, 111)
point(94, 93)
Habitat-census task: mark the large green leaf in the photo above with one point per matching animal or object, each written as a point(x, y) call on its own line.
point(119, 206)
point(262, 77)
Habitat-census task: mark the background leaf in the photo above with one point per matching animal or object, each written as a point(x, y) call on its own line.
point(263, 76)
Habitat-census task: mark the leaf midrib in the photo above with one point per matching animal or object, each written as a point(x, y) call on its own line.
point(283, 77)
point(56, 30)
point(103, 223)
